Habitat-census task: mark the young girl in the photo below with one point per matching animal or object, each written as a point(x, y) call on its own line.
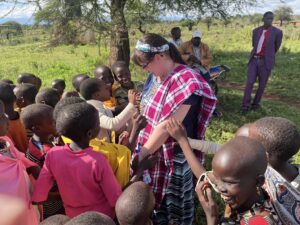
point(14, 166)
point(84, 177)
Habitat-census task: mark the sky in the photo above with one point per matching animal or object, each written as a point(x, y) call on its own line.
point(24, 13)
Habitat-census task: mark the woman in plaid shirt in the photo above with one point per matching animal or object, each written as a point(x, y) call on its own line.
point(182, 94)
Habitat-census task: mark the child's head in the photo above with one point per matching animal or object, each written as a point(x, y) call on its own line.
point(238, 171)
point(91, 218)
point(48, 96)
point(77, 80)
point(55, 220)
point(25, 95)
point(122, 74)
point(94, 88)
point(7, 94)
point(59, 85)
point(78, 122)
point(68, 94)
point(104, 73)
point(135, 205)
point(279, 136)
point(29, 78)
point(63, 103)
point(39, 119)
point(3, 120)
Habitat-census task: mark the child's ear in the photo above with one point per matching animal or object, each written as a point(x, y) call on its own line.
point(89, 133)
point(260, 179)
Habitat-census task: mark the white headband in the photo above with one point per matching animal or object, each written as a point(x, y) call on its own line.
point(143, 47)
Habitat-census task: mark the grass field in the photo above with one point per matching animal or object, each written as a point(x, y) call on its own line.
point(230, 46)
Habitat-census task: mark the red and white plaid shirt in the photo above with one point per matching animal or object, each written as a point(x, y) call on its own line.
point(178, 87)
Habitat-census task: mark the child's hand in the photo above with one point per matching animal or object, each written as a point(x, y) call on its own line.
point(139, 122)
point(123, 138)
point(147, 163)
point(132, 96)
point(176, 130)
point(209, 206)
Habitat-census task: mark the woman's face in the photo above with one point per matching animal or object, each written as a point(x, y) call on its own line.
point(155, 65)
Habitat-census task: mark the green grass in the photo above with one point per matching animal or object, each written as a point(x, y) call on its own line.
point(230, 46)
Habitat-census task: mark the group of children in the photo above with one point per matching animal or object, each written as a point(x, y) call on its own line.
point(75, 173)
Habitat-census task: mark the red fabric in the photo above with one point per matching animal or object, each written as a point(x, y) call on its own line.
point(178, 87)
point(263, 49)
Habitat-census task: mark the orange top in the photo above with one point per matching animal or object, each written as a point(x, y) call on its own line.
point(112, 102)
point(17, 133)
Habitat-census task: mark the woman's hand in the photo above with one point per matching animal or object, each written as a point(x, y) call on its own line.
point(209, 206)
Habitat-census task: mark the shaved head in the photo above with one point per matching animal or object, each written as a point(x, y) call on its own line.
point(135, 205)
point(91, 218)
point(240, 155)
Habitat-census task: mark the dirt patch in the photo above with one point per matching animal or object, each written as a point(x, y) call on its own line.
point(276, 98)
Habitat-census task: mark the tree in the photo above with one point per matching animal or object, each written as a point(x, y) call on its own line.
point(71, 16)
point(188, 23)
point(208, 21)
point(255, 19)
point(283, 13)
point(10, 28)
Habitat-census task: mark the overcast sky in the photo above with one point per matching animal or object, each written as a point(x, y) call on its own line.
point(24, 13)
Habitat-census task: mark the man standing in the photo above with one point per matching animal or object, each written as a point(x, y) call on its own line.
point(266, 41)
point(176, 37)
point(196, 52)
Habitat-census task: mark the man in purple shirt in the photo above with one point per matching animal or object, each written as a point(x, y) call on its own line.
point(266, 41)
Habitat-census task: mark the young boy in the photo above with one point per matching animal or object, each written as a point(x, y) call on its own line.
point(25, 95)
point(281, 138)
point(48, 96)
point(104, 74)
point(96, 92)
point(122, 75)
point(84, 177)
point(38, 118)
point(59, 85)
point(16, 130)
point(77, 80)
point(135, 205)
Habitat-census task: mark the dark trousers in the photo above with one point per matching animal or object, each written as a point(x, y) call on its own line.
point(256, 68)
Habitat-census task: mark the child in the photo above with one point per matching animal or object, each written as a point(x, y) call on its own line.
point(59, 85)
point(135, 205)
point(122, 75)
point(48, 96)
point(238, 175)
point(14, 180)
point(68, 94)
point(38, 118)
point(84, 177)
point(77, 80)
point(25, 95)
point(29, 78)
point(178, 133)
point(91, 218)
point(281, 139)
point(104, 74)
point(16, 130)
point(95, 92)
point(56, 220)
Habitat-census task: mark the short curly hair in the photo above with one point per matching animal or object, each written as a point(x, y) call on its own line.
point(279, 136)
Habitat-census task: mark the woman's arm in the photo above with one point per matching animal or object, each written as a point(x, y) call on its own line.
point(160, 134)
point(204, 146)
